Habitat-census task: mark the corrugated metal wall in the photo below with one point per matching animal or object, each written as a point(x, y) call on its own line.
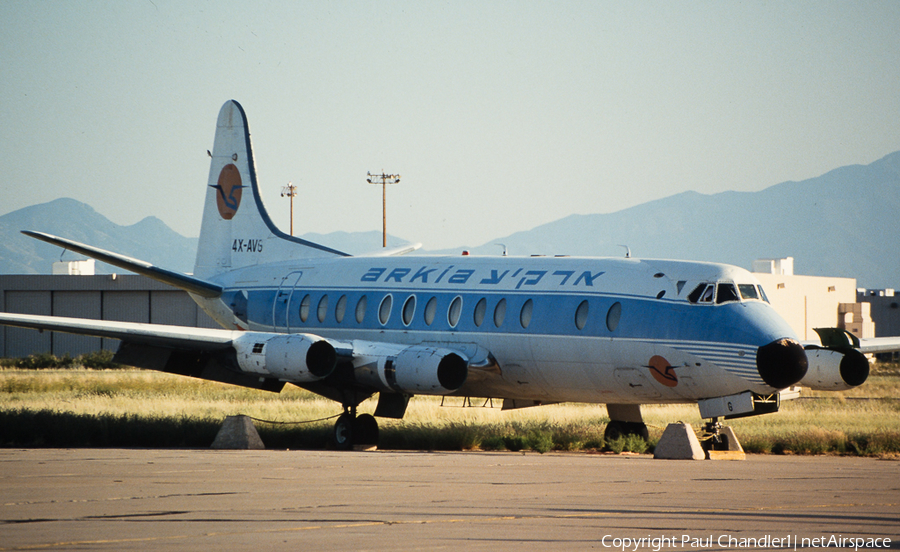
point(169, 307)
point(126, 306)
point(19, 342)
point(127, 298)
point(76, 304)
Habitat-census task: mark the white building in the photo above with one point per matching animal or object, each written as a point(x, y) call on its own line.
point(73, 268)
point(808, 302)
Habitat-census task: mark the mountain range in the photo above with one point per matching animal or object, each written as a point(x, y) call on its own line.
point(844, 223)
point(149, 240)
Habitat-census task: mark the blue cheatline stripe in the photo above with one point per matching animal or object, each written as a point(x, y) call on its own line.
point(640, 319)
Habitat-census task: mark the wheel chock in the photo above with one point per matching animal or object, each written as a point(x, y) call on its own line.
point(238, 432)
point(679, 442)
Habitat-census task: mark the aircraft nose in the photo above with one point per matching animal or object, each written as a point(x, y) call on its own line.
point(781, 363)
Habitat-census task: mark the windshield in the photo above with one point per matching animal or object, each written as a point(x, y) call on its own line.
point(726, 292)
point(748, 291)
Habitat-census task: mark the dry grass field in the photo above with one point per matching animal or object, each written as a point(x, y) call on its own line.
point(135, 408)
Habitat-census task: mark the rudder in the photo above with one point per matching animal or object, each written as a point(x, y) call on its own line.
point(236, 230)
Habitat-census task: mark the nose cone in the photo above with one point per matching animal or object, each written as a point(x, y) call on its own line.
point(781, 363)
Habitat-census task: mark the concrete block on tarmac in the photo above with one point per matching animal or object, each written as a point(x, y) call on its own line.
point(679, 442)
point(726, 455)
point(238, 432)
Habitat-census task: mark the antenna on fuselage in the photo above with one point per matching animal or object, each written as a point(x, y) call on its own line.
point(503, 245)
point(627, 251)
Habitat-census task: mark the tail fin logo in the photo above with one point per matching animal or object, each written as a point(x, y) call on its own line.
point(228, 191)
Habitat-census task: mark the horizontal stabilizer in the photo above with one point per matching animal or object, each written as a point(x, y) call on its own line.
point(177, 279)
point(397, 251)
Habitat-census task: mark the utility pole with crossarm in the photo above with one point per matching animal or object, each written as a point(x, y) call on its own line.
point(384, 180)
point(290, 191)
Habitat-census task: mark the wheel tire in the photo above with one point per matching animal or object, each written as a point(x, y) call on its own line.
point(614, 430)
point(617, 428)
point(343, 435)
point(639, 429)
point(365, 430)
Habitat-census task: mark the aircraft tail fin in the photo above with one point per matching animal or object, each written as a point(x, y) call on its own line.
point(236, 230)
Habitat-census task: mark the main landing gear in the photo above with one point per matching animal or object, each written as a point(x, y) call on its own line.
point(617, 428)
point(625, 420)
point(351, 430)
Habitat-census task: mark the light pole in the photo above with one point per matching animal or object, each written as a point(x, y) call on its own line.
point(290, 191)
point(384, 180)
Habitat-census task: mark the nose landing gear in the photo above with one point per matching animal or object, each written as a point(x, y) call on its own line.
point(720, 442)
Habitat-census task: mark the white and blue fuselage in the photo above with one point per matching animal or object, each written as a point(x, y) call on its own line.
point(547, 329)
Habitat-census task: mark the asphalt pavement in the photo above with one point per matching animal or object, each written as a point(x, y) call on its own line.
point(114, 499)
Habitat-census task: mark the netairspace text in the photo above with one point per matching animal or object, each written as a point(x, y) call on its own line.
point(787, 542)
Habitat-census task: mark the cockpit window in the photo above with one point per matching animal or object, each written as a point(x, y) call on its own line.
point(695, 295)
point(748, 291)
point(703, 293)
point(727, 293)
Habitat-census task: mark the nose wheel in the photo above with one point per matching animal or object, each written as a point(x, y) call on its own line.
point(352, 431)
point(719, 438)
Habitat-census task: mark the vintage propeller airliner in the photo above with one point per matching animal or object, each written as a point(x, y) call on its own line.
point(528, 330)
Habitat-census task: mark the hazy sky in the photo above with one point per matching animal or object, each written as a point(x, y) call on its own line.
point(498, 115)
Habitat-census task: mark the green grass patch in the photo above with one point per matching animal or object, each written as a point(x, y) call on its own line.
point(628, 443)
point(97, 360)
point(78, 407)
point(45, 428)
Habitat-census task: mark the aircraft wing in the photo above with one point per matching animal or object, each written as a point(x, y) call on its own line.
point(837, 338)
point(263, 360)
point(180, 337)
point(212, 354)
point(879, 345)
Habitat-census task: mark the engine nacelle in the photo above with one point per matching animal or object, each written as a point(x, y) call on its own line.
point(299, 358)
point(412, 369)
point(833, 370)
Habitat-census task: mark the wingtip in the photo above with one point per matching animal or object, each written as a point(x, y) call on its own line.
point(43, 236)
